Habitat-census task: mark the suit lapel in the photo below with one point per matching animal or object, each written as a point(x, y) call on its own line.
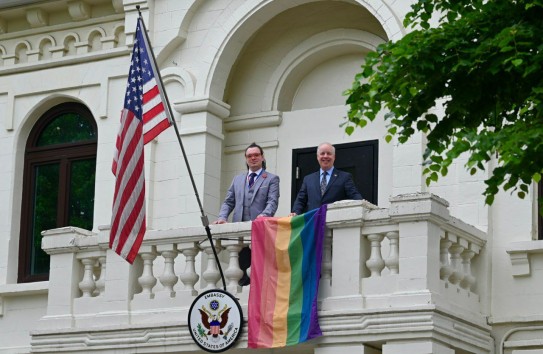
point(242, 182)
point(257, 184)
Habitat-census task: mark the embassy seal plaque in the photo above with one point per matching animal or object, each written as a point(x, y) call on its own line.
point(215, 320)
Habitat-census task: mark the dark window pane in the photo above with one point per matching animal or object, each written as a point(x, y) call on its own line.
point(60, 163)
point(67, 128)
point(81, 203)
point(44, 212)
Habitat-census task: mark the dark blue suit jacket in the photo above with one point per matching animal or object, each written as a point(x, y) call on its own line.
point(340, 187)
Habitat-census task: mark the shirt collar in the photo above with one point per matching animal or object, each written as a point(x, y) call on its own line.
point(330, 171)
point(257, 172)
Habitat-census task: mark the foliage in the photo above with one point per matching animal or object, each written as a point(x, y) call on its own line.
point(483, 62)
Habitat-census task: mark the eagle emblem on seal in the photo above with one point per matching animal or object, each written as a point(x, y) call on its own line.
point(214, 322)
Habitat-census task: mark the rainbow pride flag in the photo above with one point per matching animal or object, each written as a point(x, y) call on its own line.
point(286, 255)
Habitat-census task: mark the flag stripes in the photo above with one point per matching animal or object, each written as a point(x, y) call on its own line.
point(285, 272)
point(143, 117)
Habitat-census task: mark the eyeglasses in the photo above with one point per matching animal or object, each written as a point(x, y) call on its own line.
point(250, 156)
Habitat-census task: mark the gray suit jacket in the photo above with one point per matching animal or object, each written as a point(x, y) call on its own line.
point(265, 197)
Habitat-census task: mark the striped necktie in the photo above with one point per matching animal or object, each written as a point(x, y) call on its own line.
point(323, 182)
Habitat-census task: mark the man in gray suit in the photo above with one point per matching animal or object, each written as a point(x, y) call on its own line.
point(251, 195)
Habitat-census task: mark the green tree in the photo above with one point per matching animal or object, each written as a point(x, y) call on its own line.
point(481, 59)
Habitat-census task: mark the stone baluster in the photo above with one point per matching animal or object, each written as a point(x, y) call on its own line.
point(101, 282)
point(469, 280)
point(233, 273)
point(189, 277)
point(456, 265)
point(168, 279)
point(393, 260)
point(212, 275)
point(326, 270)
point(375, 263)
point(445, 270)
point(147, 279)
point(87, 284)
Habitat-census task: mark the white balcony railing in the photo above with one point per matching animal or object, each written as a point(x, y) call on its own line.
point(411, 268)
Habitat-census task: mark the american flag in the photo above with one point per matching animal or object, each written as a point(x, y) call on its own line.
point(143, 117)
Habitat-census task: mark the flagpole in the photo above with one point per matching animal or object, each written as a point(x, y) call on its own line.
point(203, 217)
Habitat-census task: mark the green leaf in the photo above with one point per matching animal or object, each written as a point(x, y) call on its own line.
point(489, 199)
point(349, 130)
point(479, 61)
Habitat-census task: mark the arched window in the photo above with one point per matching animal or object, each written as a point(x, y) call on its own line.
point(58, 185)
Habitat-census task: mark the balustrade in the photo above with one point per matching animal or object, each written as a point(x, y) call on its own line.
point(411, 254)
point(456, 256)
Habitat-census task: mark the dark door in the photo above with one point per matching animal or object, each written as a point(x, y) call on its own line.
point(360, 159)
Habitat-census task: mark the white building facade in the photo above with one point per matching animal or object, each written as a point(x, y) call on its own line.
point(419, 270)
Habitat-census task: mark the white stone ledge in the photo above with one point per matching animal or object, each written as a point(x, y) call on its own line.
point(514, 319)
point(203, 104)
point(22, 289)
point(519, 253)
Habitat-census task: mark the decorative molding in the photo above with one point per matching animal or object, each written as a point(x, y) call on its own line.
point(79, 10)
point(253, 121)
point(8, 113)
point(234, 149)
point(69, 60)
point(324, 45)
point(37, 17)
point(200, 130)
point(64, 27)
point(519, 253)
point(3, 26)
point(104, 93)
point(520, 263)
point(203, 104)
point(118, 6)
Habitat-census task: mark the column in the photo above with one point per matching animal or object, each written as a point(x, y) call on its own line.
point(172, 199)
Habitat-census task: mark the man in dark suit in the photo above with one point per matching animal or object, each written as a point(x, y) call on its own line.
point(325, 186)
point(252, 194)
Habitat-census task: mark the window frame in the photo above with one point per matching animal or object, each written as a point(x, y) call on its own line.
point(63, 154)
point(538, 206)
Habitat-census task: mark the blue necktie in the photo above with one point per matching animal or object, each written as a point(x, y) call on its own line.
point(252, 179)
